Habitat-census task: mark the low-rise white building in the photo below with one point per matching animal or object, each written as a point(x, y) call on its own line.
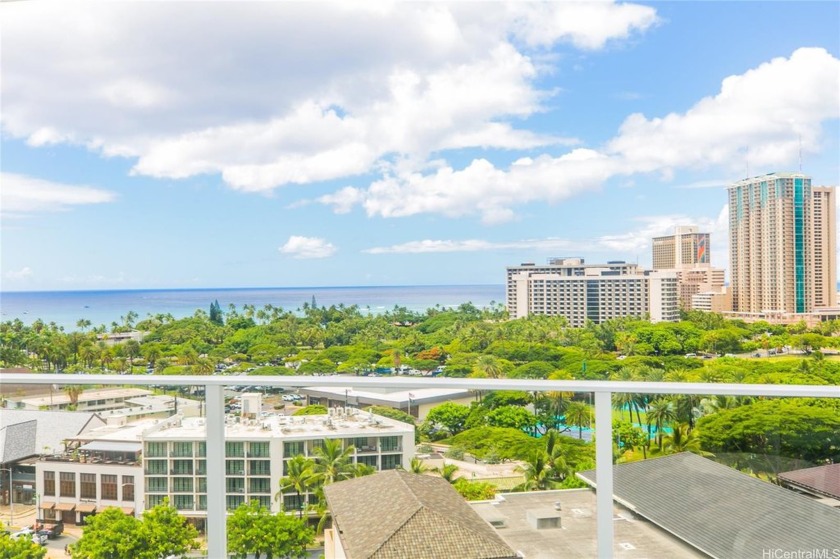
point(101, 468)
point(581, 292)
point(256, 453)
point(416, 402)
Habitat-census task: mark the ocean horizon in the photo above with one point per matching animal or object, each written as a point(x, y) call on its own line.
point(102, 307)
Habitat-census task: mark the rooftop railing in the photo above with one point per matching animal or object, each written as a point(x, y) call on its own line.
point(602, 390)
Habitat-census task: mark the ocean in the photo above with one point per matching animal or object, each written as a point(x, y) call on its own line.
point(66, 308)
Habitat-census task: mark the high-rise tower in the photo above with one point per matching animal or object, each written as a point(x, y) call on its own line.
point(782, 240)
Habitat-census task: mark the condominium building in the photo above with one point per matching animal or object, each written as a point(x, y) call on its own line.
point(581, 292)
point(686, 247)
point(782, 240)
point(256, 455)
point(101, 468)
point(688, 254)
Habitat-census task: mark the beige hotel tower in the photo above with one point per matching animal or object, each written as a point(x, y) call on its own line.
point(782, 239)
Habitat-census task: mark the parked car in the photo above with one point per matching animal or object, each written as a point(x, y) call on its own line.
point(52, 531)
point(39, 538)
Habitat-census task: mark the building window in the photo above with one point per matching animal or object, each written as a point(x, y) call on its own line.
point(182, 449)
point(49, 483)
point(235, 485)
point(201, 467)
point(259, 485)
point(235, 467)
point(260, 467)
point(292, 448)
point(202, 449)
point(156, 450)
point(182, 467)
point(184, 502)
point(182, 485)
point(87, 486)
point(391, 461)
point(367, 460)
point(202, 502)
point(201, 482)
point(154, 467)
point(236, 450)
point(390, 444)
point(156, 484)
point(67, 484)
point(109, 487)
point(154, 500)
point(128, 488)
point(292, 502)
point(264, 502)
point(258, 450)
point(234, 501)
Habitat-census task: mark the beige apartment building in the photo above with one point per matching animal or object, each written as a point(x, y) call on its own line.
point(584, 292)
point(782, 240)
point(686, 247)
point(687, 253)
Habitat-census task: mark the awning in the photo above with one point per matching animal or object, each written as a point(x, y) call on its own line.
point(47, 505)
point(65, 506)
point(85, 508)
point(128, 510)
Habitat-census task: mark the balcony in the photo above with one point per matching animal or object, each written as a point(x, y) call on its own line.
point(603, 391)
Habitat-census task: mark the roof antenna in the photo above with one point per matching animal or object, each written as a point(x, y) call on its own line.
point(800, 153)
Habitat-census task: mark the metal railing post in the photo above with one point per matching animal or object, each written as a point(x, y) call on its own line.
point(604, 473)
point(216, 513)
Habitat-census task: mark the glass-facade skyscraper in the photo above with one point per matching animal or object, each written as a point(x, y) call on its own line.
point(782, 239)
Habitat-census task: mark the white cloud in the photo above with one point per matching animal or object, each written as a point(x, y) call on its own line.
point(470, 245)
point(587, 25)
point(23, 274)
point(307, 247)
point(480, 188)
point(21, 195)
point(757, 116)
point(252, 97)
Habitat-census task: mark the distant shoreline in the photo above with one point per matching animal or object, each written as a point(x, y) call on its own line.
point(104, 307)
point(297, 287)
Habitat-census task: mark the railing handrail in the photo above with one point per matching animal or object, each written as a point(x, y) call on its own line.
point(346, 381)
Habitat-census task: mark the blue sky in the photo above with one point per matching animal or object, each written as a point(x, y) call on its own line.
point(206, 144)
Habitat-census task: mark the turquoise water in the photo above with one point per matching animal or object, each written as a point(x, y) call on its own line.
point(65, 308)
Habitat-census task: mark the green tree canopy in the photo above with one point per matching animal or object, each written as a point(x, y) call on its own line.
point(19, 548)
point(253, 530)
point(112, 534)
point(451, 416)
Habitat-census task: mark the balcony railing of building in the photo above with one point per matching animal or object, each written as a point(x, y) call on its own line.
point(602, 390)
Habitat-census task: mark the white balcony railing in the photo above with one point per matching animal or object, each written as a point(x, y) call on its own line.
point(603, 391)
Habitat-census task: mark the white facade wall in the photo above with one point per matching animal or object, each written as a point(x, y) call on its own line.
point(256, 452)
point(57, 467)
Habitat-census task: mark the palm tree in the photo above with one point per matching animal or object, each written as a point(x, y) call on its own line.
point(578, 415)
point(683, 439)
point(73, 392)
point(536, 471)
point(332, 462)
point(660, 413)
point(418, 466)
point(448, 472)
point(487, 366)
point(300, 477)
point(556, 456)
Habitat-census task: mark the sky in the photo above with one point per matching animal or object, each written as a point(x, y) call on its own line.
point(279, 144)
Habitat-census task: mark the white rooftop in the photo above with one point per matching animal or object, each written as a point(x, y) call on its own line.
point(354, 423)
point(392, 396)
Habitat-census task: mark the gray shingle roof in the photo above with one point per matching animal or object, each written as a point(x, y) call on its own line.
point(400, 515)
point(25, 433)
point(721, 511)
point(820, 479)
